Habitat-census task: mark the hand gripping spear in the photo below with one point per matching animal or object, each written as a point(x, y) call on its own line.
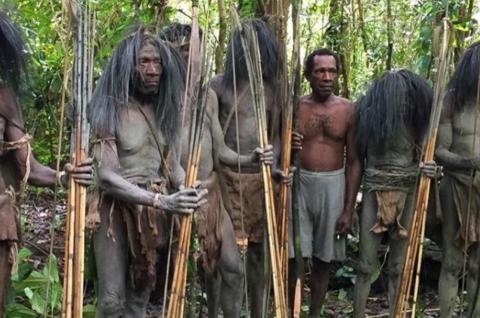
point(252, 58)
point(417, 231)
point(195, 98)
point(72, 304)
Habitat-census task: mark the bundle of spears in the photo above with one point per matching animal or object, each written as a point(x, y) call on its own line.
point(72, 303)
point(413, 259)
point(195, 100)
point(252, 58)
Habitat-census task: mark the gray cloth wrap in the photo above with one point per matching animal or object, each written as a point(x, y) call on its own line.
point(321, 202)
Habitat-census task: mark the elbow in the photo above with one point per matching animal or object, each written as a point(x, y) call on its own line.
point(104, 179)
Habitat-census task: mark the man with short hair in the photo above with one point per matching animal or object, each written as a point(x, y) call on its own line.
point(330, 172)
point(135, 114)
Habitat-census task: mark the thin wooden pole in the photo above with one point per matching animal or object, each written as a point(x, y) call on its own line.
point(417, 231)
point(253, 62)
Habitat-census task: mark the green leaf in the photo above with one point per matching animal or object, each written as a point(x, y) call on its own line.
point(342, 295)
point(19, 311)
point(38, 303)
point(89, 311)
point(28, 292)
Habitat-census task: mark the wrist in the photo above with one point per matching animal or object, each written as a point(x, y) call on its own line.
point(157, 202)
point(62, 179)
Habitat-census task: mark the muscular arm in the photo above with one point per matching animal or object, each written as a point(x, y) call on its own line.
point(224, 153)
point(353, 167)
point(111, 182)
point(444, 156)
point(177, 174)
point(40, 175)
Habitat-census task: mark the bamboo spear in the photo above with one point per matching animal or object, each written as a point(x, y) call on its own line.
point(417, 231)
point(252, 58)
point(295, 88)
point(195, 97)
point(75, 236)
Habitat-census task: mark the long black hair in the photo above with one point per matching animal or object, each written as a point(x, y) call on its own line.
point(398, 98)
point(12, 52)
point(463, 85)
point(268, 54)
point(118, 83)
point(173, 32)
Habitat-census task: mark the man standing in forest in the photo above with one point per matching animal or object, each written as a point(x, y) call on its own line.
point(244, 197)
point(458, 150)
point(219, 254)
point(17, 163)
point(393, 117)
point(135, 114)
point(329, 181)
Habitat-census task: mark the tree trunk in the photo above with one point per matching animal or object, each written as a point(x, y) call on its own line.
point(222, 32)
point(363, 32)
point(388, 63)
point(335, 39)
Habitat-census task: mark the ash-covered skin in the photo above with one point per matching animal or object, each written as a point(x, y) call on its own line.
point(393, 118)
point(142, 81)
point(223, 85)
point(13, 162)
point(458, 150)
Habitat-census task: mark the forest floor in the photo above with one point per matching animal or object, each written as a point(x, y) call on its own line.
point(37, 218)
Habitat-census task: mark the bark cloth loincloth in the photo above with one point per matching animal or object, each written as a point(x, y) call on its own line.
point(147, 229)
point(209, 219)
point(9, 212)
point(391, 187)
point(465, 185)
point(252, 192)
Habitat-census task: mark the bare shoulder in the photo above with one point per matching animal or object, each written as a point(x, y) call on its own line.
point(9, 108)
point(216, 84)
point(212, 102)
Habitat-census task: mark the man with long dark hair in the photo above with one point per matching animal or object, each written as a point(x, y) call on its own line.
point(17, 163)
point(330, 171)
point(393, 117)
point(220, 256)
point(135, 114)
point(458, 150)
point(244, 191)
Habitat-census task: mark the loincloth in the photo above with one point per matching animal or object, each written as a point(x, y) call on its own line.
point(465, 189)
point(391, 187)
point(10, 224)
point(209, 219)
point(249, 225)
point(147, 230)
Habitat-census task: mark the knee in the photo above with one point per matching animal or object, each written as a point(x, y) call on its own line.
point(452, 266)
point(473, 268)
point(395, 268)
point(112, 303)
point(366, 268)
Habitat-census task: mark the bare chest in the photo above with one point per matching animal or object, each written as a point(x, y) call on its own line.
point(466, 123)
point(322, 123)
point(135, 134)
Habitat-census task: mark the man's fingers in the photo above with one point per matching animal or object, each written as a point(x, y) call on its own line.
point(203, 193)
point(86, 162)
point(82, 176)
point(185, 211)
point(187, 192)
point(79, 170)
